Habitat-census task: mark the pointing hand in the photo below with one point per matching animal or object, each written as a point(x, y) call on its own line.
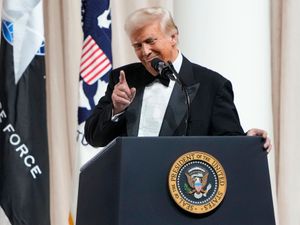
point(122, 95)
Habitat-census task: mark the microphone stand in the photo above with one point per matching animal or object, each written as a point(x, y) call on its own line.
point(177, 79)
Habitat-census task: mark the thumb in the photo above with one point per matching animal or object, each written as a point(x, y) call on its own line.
point(122, 77)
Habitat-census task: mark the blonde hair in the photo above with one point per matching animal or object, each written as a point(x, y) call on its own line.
point(145, 16)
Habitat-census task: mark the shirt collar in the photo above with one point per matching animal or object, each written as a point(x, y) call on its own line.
point(178, 62)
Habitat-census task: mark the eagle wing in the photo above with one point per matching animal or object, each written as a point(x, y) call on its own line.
point(204, 179)
point(190, 180)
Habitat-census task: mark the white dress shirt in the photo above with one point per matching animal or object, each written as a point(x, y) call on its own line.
point(155, 101)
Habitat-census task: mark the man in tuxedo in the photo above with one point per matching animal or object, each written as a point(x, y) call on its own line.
point(136, 103)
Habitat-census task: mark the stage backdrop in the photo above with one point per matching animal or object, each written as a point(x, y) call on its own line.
point(64, 41)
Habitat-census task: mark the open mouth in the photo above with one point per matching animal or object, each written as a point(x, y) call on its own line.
point(150, 59)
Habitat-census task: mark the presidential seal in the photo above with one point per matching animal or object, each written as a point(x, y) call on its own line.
point(197, 182)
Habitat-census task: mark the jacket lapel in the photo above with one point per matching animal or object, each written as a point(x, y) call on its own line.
point(176, 111)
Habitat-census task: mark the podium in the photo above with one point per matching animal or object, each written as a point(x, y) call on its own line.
point(127, 183)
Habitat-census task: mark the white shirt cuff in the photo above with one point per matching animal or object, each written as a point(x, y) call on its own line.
point(116, 117)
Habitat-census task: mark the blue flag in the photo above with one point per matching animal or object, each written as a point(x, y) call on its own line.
point(96, 64)
point(96, 59)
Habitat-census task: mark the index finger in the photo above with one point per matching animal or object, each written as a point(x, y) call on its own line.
point(122, 77)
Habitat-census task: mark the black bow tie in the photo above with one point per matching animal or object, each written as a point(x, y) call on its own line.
point(163, 79)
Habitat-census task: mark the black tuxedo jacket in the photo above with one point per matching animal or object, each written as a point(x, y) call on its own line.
point(212, 110)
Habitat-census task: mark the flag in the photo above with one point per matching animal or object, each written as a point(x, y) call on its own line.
point(96, 63)
point(24, 166)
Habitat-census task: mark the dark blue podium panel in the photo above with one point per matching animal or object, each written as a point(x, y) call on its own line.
point(127, 183)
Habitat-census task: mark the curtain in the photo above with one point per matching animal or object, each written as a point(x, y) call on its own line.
point(286, 105)
point(63, 48)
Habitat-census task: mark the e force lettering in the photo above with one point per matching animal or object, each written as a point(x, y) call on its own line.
point(20, 148)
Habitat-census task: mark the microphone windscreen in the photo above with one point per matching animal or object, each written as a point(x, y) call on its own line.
point(156, 62)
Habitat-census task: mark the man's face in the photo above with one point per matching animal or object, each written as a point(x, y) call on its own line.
point(151, 42)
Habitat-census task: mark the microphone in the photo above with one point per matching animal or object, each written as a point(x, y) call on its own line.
point(164, 69)
point(167, 69)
